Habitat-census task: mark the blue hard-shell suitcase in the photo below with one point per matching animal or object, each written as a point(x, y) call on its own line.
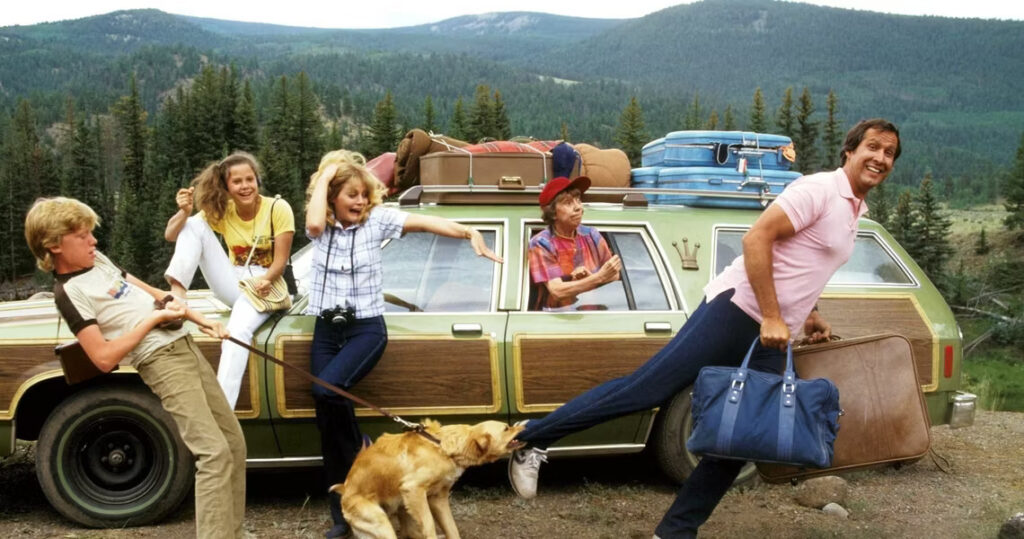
point(722, 181)
point(645, 178)
point(720, 148)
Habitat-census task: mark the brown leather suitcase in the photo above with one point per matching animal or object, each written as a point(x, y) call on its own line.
point(501, 169)
point(884, 419)
point(506, 170)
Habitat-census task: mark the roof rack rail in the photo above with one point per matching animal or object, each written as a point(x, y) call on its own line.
point(492, 194)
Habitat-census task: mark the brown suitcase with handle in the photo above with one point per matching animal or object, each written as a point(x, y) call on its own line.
point(508, 171)
point(884, 419)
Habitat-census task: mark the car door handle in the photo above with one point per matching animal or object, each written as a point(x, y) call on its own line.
point(657, 327)
point(467, 330)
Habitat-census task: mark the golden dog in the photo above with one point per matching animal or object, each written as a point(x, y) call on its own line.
point(403, 480)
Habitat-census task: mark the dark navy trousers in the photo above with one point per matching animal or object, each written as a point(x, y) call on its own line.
point(342, 355)
point(718, 333)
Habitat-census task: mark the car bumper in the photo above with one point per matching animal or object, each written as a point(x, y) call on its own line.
point(962, 410)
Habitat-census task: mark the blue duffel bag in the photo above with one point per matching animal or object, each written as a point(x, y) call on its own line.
point(739, 413)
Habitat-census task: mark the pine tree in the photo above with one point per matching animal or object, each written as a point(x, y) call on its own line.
point(481, 117)
point(207, 132)
point(502, 126)
point(309, 133)
point(458, 126)
point(784, 116)
point(82, 180)
point(1013, 190)
point(134, 238)
point(880, 205)
point(833, 135)
point(63, 141)
point(28, 172)
point(276, 149)
point(729, 120)
point(712, 123)
point(170, 137)
point(429, 116)
point(384, 133)
point(931, 248)
point(902, 221)
point(246, 135)
point(758, 121)
point(630, 134)
point(981, 247)
point(229, 100)
point(334, 138)
point(693, 114)
point(106, 209)
point(805, 139)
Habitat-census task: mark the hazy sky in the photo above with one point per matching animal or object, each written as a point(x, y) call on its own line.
point(385, 14)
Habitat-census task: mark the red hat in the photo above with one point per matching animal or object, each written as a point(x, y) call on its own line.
point(559, 184)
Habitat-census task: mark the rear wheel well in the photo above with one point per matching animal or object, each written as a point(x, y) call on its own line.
point(42, 398)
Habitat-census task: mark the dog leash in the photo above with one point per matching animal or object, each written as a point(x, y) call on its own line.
point(407, 425)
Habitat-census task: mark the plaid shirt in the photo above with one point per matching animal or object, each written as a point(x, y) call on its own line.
point(551, 257)
point(358, 246)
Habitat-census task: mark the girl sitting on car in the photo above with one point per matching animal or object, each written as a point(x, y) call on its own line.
point(258, 232)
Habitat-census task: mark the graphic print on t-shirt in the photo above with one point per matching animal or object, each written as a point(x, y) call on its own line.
point(118, 289)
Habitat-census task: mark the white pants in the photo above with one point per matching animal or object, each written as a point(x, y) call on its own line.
point(197, 247)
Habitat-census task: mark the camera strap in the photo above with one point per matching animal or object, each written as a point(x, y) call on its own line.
point(351, 268)
point(408, 425)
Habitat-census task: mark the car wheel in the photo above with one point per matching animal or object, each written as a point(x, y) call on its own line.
point(672, 428)
point(112, 457)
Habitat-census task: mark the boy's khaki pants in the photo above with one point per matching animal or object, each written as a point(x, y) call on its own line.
point(188, 389)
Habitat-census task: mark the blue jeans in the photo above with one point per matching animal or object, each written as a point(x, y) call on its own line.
point(718, 333)
point(342, 355)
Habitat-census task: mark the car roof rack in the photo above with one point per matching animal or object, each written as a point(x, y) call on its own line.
point(492, 194)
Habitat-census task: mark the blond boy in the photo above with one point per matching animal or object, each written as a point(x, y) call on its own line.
point(115, 318)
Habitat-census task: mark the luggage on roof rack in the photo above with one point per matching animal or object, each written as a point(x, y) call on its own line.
point(711, 182)
point(720, 148)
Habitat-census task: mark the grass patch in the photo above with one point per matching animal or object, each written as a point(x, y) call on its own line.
point(997, 379)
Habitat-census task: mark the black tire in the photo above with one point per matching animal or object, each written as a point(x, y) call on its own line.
point(112, 457)
point(672, 428)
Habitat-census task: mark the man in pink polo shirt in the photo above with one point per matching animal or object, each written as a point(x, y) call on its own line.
point(789, 255)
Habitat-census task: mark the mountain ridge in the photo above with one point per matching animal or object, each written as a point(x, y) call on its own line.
point(954, 85)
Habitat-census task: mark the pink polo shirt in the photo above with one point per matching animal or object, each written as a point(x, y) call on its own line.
point(824, 214)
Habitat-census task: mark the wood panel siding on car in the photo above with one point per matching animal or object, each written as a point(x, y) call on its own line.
point(858, 316)
point(247, 398)
point(551, 371)
point(416, 375)
point(20, 362)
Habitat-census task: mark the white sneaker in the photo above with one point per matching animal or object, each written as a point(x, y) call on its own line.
point(524, 469)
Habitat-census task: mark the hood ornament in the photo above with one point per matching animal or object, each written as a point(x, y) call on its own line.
point(689, 260)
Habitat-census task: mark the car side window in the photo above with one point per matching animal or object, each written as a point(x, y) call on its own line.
point(430, 273)
point(871, 263)
point(639, 288)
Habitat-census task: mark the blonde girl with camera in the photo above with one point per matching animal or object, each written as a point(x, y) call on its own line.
point(347, 225)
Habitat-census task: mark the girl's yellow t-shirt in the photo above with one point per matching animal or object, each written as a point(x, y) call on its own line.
point(240, 235)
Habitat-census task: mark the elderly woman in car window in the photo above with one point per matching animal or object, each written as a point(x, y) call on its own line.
point(567, 258)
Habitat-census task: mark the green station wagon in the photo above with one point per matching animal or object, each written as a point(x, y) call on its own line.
point(463, 347)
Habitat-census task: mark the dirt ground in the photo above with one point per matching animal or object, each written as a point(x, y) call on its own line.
point(624, 497)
